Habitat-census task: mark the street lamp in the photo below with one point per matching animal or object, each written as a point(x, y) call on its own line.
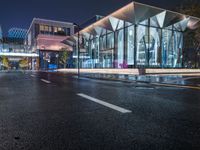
point(57, 55)
point(78, 27)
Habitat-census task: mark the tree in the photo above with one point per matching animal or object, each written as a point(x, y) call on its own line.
point(23, 64)
point(0, 63)
point(5, 62)
point(63, 57)
point(192, 37)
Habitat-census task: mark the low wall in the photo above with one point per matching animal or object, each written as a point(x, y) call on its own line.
point(133, 71)
point(171, 71)
point(103, 71)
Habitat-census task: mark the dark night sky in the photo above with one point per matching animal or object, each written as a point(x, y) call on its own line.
point(19, 13)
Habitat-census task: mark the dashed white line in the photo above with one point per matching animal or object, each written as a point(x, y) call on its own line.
point(45, 81)
point(114, 107)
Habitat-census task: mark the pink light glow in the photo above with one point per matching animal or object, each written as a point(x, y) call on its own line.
point(51, 42)
point(193, 24)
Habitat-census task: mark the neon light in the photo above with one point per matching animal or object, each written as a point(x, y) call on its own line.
point(19, 54)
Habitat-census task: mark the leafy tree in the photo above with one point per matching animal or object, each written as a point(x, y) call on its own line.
point(5, 62)
point(23, 63)
point(63, 57)
point(192, 37)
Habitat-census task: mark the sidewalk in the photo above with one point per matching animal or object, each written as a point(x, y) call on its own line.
point(161, 79)
point(184, 77)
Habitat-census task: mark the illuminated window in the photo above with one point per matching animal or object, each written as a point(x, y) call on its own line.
point(55, 29)
point(41, 27)
point(50, 29)
point(46, 28)
point(60, 29)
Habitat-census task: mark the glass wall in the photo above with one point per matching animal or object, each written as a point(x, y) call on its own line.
point(86, 58)
point(110, 40)
point(155, 47)
point(120, 49)
point(178, 46)
point(167, 48)
point(130, 31)
point(142, 45)
point(106, 53)
point(95, 52)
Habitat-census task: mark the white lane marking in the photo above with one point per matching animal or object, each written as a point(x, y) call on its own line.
point(117, 108)
point(33, 76)
point(45, 81)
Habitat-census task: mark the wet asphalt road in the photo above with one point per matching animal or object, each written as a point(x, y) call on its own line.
point(35, 115)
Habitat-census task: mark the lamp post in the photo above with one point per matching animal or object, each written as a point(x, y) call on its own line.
point(78, 27)
point(57, 55)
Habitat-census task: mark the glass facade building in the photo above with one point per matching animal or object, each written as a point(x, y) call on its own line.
point(13, 50)
point(135, 36)
point(17, 33)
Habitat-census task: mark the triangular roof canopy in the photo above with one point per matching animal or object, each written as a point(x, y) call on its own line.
point(161, 18)
point(86, 35)
point(193, 23)
point(100, 30)
point(182, 25)
point(105, 23)
point(114, 22)
point(172, 18)
point(125, 13)
point(143, 12)
point(89, 30)
point(135, 13)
